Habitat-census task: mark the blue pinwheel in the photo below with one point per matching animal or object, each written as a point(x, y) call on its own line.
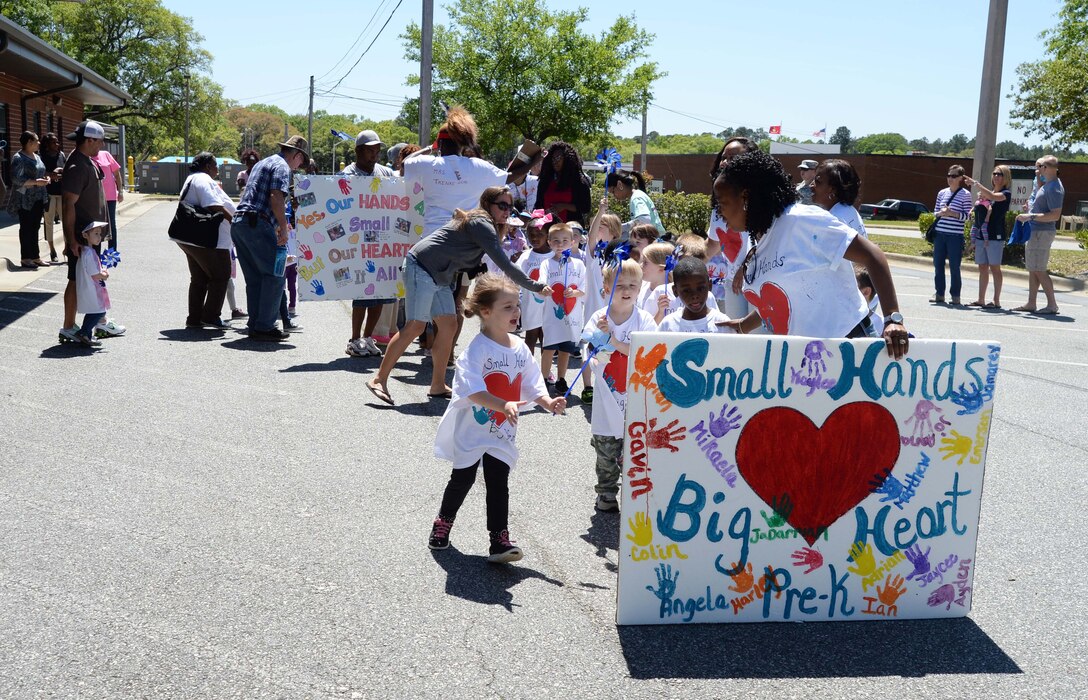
point(110, 258)
point(609, 161)
point(599, 250)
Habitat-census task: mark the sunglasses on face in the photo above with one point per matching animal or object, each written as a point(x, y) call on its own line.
point(998, 175)
point(504, 206)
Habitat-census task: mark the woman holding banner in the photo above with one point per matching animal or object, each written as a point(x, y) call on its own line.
point(430, 269)
point(795, 275)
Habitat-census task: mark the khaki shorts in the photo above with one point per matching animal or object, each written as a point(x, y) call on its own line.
point(1037, 250)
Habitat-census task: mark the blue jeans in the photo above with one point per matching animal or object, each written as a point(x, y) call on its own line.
point(946, 247)
point(256, 249)
point(89, 322)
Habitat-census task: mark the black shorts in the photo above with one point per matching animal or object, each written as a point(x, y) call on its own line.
point(567, 346)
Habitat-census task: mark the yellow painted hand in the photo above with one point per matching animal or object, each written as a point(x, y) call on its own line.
point(956, 445)
point(642, 532)
point(862, 554)
point(375, 185)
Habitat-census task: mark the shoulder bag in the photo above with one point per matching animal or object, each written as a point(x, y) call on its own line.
point(195, 225)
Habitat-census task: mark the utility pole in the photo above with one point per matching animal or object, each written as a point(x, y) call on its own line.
point(989, 98)
point(310, 119)
point(186, 116)
point(425, 72)
point(642, 161)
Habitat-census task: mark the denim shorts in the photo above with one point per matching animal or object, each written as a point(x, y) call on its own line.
point(423, 298)
point(988, 252)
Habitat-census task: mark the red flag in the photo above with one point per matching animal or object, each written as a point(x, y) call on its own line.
point(776, 129)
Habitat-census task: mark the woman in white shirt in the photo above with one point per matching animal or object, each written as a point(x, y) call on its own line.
point(798, 276)
point(209, 267)
point(835, 189)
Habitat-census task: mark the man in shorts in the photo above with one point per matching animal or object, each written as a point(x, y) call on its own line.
point(1046, 211)
point(368, 147)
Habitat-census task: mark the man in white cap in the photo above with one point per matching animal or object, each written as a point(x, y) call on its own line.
point(368, 147)
point(808, 174)
point(82, 201)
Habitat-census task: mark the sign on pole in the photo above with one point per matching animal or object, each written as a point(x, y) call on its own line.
point(785, 478)
point(353, 234)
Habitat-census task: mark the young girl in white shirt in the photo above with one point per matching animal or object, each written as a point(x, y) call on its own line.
point(495, 376)
point(653, 297)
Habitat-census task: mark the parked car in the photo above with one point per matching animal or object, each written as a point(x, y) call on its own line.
point(893, 209)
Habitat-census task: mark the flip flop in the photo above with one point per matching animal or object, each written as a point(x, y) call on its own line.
point(991, 305)
point(381, 393)
point(978, 303)
point(1047, 312)
point(1025, 308)
point(441, 395)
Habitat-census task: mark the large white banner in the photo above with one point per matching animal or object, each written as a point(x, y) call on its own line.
point(784, 478)
point(353, 234)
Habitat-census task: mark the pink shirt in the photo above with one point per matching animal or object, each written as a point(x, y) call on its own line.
point(109, 167)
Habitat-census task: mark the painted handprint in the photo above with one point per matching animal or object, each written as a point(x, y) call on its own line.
point(319, 289)
point(970, 399)
point(666, 582)
point(743, 579)
point(370, 266)
point(559, 312)
point(923, 423)
point(481, 414)
point(724, 422)
point(305, 251)
point(943, 596)
point(642, 532)
point(919, 560)
point(888, 486)
point(813, 360)
point(861, 553)
point(375, 185)
point(645, 365)
point(345, 185)
point(780, 509)
point(806, 556)
point(955, 445)
point(658, 438)
point(893, 588)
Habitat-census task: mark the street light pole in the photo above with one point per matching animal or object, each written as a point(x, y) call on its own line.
point(186, 116)
point(427, 29)
point(989, 99)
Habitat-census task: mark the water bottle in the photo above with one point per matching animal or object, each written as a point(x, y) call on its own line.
point(280, 268)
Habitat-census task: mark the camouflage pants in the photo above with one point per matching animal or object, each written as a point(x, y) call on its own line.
point(609, 463)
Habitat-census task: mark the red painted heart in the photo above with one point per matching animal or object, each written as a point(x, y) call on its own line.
point(560, 300)
point(825, 471)
point(731, 242)
point(500, 385)
point(616, 370)
point(773, 306)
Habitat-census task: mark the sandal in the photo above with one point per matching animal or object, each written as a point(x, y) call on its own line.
point(992, 305)
point(977, 303)
point(441, 395)
point(1025, 307)
point(381, 393)
point(1047, 311)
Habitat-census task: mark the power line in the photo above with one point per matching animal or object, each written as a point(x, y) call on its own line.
point(357, 38)
point(269, 94)
point(368, 46)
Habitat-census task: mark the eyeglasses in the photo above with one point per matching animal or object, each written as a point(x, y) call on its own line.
point(998, 174)
point(503, 206)
point(950, 177)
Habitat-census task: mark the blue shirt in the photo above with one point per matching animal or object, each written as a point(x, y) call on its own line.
point(272, 173)
point(1048, 198)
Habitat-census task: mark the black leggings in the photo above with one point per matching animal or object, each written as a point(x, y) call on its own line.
point(496, 476)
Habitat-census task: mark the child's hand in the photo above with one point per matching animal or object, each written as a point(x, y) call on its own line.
point(510, 409)
point(738, 279)
point(602, 323)
point(558, 405)
point(603, 206)
point(663, 302)
point(571, 292)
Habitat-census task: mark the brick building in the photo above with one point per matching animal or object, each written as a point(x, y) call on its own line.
point(42, 89)
point(914, 178)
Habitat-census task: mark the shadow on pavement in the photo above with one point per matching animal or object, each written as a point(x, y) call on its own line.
point(908, 648)
point(17, 304)
point(245, 343)
point(604, 534)
point(471, 577)
point(358, 365)
point(190, 335)
point(62, 351)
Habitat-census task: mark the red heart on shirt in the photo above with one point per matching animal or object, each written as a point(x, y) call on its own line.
point(823, 471)
point(731, 243)
point(616, 370)
point(500, 385)
point(773, 306)
point(558, 297)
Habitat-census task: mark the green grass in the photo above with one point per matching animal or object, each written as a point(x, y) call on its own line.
point(891, 224)
point(1064, 263)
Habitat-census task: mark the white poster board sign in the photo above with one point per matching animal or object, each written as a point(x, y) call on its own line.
point(784, 478)
point(353, 234)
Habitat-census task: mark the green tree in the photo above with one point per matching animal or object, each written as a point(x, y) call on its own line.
point(1050, 97)
point(843, 138)
point(881, 143)
point(527, 72)
point(35, 16)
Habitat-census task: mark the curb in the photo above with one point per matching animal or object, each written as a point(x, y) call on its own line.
point(1061, 284)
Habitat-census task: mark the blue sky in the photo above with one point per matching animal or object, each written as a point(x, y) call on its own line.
point(913, 68)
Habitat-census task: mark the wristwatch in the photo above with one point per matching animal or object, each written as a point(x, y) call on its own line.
point(894, 317)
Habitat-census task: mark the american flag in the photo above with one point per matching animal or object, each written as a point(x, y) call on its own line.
point(821, 133)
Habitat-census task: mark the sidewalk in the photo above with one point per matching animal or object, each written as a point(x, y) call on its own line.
point(13, 277)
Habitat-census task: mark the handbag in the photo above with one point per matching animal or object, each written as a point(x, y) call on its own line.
point(195, 225)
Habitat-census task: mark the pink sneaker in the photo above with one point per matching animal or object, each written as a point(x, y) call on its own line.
point(381, 339)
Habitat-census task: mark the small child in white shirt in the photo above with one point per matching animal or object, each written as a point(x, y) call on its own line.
point(566, 276)
point(691, 284)
point(92, 299)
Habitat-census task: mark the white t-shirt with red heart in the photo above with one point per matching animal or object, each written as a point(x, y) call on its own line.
point(676, 323)
point(562, 315)
point(610, 373)
point(735, 246)
point(798, 280)
point(467, 430)
point(532, 306)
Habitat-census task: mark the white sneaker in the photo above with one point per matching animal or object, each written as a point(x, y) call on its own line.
point(372, 347)
point(70, 333)
point(107, 328)
point(357, 348)
point(607, 503)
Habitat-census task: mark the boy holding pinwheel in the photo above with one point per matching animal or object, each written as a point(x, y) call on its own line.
point(608, 333)
point(565, 276)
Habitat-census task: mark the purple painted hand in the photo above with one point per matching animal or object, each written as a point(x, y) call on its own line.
point(942, 596)
point(724, 422)
point(919, 560)
point(814, 357)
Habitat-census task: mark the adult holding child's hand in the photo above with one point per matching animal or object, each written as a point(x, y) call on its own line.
point(798, 275)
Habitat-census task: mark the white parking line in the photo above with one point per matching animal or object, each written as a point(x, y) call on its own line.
point(1053, 327)
point(1049, 362)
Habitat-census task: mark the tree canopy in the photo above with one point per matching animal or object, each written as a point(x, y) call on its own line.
point(1050, 96)
point(525, 71)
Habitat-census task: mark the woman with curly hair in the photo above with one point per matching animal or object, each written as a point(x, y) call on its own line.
point(562, 189)
point(629, 186)
point(730, 245)
point(795, 275)
point(835, 188)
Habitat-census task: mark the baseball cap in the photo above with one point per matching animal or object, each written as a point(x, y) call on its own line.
point(808, 165)
point(368, 138)
point(88, 130)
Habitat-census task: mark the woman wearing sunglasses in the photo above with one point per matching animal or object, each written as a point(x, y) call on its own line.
point(988, 231)
point(952, 209)
point(430, 271)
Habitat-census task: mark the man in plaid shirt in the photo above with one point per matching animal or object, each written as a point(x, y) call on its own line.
point(259, 228)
